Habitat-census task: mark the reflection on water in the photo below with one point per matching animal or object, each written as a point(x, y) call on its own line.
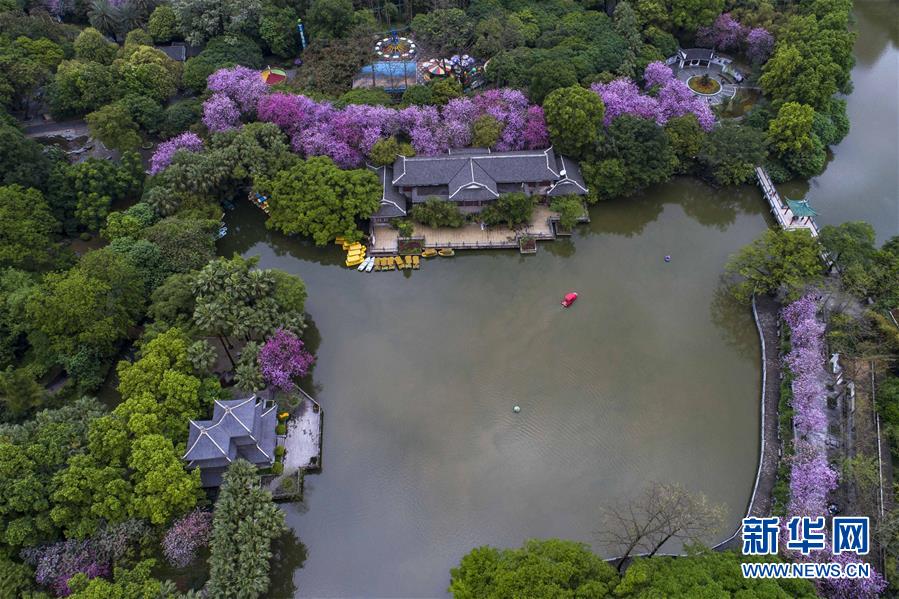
point(862, 180)
point(424, 458)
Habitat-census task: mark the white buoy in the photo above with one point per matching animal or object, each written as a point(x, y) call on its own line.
point(516, 409)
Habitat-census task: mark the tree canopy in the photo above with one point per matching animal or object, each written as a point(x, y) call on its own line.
point(318, 199)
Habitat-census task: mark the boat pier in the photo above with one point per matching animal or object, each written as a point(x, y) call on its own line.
point(791, 215)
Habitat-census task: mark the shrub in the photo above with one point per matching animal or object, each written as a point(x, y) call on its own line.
point(281, 429)
point(405, 228)
point(570, 209)
point(162, 24)
point(280, 451)
point(277, 468)
point(435, 212)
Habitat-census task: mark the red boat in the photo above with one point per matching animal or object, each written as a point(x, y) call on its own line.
point(569, 299)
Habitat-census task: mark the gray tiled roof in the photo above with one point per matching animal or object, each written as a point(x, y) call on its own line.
point(502, 167)
point(393, 203)
point(239, 428)
point(473, 182)
point(697, 54)
point(571, 180)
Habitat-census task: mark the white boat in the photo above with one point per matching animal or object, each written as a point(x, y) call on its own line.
point(364, 264)
point(371, 264)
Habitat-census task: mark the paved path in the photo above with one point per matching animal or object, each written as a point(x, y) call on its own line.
point(469, 236)
point(68, 129)
point(303, 442)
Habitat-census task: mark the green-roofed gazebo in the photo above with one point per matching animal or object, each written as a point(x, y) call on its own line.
point(801, 208)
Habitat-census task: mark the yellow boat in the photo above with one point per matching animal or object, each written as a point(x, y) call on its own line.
point(428, 253)
point(399, 262)
point(339, 240)
point(416, 263)
point(355, 261)
point(408, 261)
point(446, 252)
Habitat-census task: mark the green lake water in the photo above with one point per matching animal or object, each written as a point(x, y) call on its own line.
point(650, 376)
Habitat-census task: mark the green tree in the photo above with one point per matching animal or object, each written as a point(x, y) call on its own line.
point(690, 15)
point(444, 89)
point(485, 131)
point(574, 119)
point(570, 209)
point(201, 20)
point(244, 524)
point(234, 299)
point(26, 228)
point(783, 262)
point(791, 131)
point(706, 573)
point(136, 583)
point(20, 393)
point(114, 126)
point(731, 152)
point(22, 160)
point(541, 568)
point(685, 137)
point(81, 87)
point(186, 244)
point(25, 65)
point(130, 222)
point(86, 493)
point(372, 96)
point(550, 75)
point(92, 305)
point(417, 95)
point(385, 151)
point(149, 72)
point(162, 488)
point(277, 28)
point(643, 150)
point(435, 212)
point(162, 24)
point(92, 46)
point(95, 184)
point(444, 30)
point(329, 18)
point(606, 179)
point(509, 208)
point(318, 199)
point(30, 455)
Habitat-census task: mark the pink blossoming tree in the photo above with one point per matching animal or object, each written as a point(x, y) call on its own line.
point(185, 537)
point(162, 157)
point(811, 476)
point(673, 98)
point(220, 113)
point(283, 358)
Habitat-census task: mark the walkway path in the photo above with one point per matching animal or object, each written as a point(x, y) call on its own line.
point(303, 441)
point(469, 236)
point(785, 217)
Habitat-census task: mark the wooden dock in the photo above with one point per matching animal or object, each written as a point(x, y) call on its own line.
point(779, 208)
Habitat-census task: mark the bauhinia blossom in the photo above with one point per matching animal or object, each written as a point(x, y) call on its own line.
point(162, 157)
point(220, 113)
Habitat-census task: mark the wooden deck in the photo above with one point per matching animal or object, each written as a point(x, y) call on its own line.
point(782, 213)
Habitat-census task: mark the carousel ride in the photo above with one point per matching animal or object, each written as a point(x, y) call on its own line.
point(395, 47)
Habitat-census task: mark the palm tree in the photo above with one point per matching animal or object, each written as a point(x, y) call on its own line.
point(104, 17)
point(129, 17)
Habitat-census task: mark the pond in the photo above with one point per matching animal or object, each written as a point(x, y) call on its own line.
point(649, 376)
